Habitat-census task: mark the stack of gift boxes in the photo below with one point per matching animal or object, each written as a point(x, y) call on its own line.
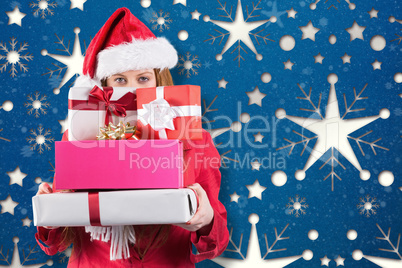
point(124, 158)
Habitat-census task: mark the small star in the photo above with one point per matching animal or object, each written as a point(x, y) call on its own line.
point(376, 65)
point(288, 65)
point(26, 222)
point(373, 13)
point(255, 97)
point(63, 124)
point(255, 190)
point(255, 165)
point(339, 261)
point(346, 58)
point(77, 4)
point(318, 58)
point(16, 176)
point(258, 137)
point(234, 197)
point(309, 31)
point(356, 31)
point(291, 13)
point(8, 205)
point(15, 16)
point(195, 15)
point(325, 261)
point(222, 83)
point(183, 2)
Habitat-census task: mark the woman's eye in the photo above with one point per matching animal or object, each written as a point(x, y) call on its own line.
point(143, 79)
point(120, 80)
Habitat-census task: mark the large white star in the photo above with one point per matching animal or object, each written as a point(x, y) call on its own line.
point(332, 130)
point(356, 31)
point(77, 4)
point(309, 31)
point(16, 176)
point(339, 261)
point(255, 97)
point(15, 16)
point(8, 205)
point(74, 61)
point(239, 30)
point(255, 190)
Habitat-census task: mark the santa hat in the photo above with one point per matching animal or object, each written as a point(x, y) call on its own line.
point(124, 43)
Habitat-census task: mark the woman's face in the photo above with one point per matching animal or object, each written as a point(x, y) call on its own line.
point(137, 78)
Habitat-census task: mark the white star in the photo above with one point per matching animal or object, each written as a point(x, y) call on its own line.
point(325, 261)
point(239, 30)
point(234, 197)
point(346, 58)
point(332, 130)
point(373, 13)
point(63, 124)
point(16, 176)
point(309, 31)
point(15, 16)
point(376, 65)
point(183, 2)
point(291, 13)
point(222, 83)
point(339, 261)
point(255, 97)
point(255, 165)
point(73, 61)
point(288, 65)
point(77, 4)
point(318, 58)
point(258, 137)
point(195, 15)
point(8, 205)
point(356, 31)
point(255, 190)
point(26, 221)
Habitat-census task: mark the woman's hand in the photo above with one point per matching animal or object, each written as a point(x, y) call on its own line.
point(204, 216)
point(45, 188)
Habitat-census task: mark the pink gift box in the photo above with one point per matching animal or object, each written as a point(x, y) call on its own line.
point(119, 164)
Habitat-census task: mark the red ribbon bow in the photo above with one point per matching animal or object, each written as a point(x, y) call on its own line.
point(99, 96)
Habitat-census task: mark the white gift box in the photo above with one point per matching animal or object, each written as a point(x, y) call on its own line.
point(133, 207)
point(84, 120)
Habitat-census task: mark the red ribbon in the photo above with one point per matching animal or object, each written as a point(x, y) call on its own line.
point(102, 97)
point(94, 212)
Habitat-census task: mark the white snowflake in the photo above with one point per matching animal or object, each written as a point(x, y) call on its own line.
point(188, 65)
point(40, 140)
point(297, 206)
point(239, 30)
point(333, 131)
point(13, 57)
point(161, 21)
point(43, 7)
point(368, 206)
point(36, 105)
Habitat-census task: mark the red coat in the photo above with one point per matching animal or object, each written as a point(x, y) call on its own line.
point(204, 163)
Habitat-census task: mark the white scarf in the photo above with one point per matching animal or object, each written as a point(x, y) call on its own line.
point(120, 236)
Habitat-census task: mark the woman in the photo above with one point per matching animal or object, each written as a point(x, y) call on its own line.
point(125, 53)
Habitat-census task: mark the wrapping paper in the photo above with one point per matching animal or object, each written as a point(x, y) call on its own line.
point(120, 164)
point(171, 112)
point(85, 118)
point(127, 207)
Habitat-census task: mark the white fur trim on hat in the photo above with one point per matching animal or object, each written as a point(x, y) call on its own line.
point(136, 55)
point(86, 81)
